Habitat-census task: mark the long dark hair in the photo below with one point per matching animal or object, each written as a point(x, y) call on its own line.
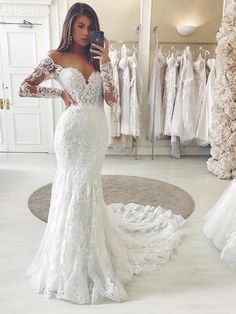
point(75, 10)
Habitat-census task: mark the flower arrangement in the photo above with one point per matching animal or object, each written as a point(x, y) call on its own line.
point(223, 128)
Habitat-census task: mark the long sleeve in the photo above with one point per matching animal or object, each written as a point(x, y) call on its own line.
point(30, 86)
point(109, 89)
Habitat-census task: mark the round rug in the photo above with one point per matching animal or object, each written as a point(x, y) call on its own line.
point(125, 189)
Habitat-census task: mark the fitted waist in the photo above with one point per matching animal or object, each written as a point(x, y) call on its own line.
point(89, 100)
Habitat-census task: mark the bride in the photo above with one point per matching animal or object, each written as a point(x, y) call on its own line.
point(90, 250)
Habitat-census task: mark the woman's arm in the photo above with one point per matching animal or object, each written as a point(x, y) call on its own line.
point(30, 86)
point(109, 89)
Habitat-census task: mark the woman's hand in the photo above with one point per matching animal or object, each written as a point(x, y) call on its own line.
point(102, 52)
point(68, 100)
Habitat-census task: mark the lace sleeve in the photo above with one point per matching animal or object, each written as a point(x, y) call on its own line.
point(30, 86)
point(109, 89)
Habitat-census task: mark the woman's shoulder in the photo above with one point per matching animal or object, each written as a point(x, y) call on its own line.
point(55, 55)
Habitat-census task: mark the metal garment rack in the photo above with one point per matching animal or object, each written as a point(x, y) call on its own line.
point(186, 43)
point(157, 43)
point(123, 41)
point(134, 139)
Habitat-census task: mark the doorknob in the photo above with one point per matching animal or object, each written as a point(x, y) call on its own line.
point(7, 103)
point(1, 103)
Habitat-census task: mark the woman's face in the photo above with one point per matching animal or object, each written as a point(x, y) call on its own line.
point(81, 30)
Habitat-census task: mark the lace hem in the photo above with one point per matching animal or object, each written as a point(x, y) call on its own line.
point(74, 298)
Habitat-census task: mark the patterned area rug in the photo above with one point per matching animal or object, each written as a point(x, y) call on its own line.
point(125, 189)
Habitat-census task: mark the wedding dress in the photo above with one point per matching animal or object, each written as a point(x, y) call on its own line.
point(199, 67)
point(115, 110)
point(170, 88)
point(125, 90)
point(90, 250)
point(134, 119)
point(155, 96)
point(182, 124)
point(170, 91)
point(220, 225)
point(205, 119)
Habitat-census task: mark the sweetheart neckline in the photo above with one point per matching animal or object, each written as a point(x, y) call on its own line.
point(71, 67)
point(87, 81)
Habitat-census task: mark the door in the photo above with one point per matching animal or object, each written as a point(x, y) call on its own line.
point(26, 123)
point(3, 126)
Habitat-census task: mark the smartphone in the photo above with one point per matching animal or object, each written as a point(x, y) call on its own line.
point(96, 37)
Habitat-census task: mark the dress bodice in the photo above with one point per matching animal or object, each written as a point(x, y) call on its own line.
point(83, 92)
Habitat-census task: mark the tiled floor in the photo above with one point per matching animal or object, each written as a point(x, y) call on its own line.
point(196, 281)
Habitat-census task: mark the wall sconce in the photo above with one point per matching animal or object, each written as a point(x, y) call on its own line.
point(186, 30)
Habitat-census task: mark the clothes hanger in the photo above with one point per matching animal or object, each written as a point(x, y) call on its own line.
point(135, 48)
point(214, 55)
point(174, 51)
point(111, 47)
point(206, 52)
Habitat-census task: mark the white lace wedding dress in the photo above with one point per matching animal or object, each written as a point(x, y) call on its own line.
point(90, 250)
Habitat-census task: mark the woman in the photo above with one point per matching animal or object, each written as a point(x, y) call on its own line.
point(89, 250)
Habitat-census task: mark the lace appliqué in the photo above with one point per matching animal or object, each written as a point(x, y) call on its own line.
point(84, 94)
point(44, 71)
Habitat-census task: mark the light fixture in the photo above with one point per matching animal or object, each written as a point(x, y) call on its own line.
point(186, 30)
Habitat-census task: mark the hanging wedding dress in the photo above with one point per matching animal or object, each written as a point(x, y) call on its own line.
point(125, 90)
point(170, 88)
point(205, 119)
point(220, 225)
point(89, 250)
point(155, 96)
point(199, 67)
point(177, 121)
point(189, 99)
point(170, 91)
point(134, 123)
point(115, 110)
point(182, 124)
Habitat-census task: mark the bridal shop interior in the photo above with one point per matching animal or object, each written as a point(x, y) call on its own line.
point(171, 143)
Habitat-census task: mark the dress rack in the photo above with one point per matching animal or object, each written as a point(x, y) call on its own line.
point(134, 139)
point(156, 29)
point(186, 43)
point(123, 41)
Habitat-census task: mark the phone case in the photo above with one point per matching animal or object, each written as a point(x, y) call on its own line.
point(97, 37)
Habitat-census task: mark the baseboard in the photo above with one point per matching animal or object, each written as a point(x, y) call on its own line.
point(160, 149)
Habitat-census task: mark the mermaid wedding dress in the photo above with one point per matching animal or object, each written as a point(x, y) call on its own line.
point(90, 250)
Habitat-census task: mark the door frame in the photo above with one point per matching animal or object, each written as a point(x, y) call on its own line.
point(54, 12)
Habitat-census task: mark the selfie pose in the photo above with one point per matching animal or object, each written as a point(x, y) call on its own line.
point(90, 249)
